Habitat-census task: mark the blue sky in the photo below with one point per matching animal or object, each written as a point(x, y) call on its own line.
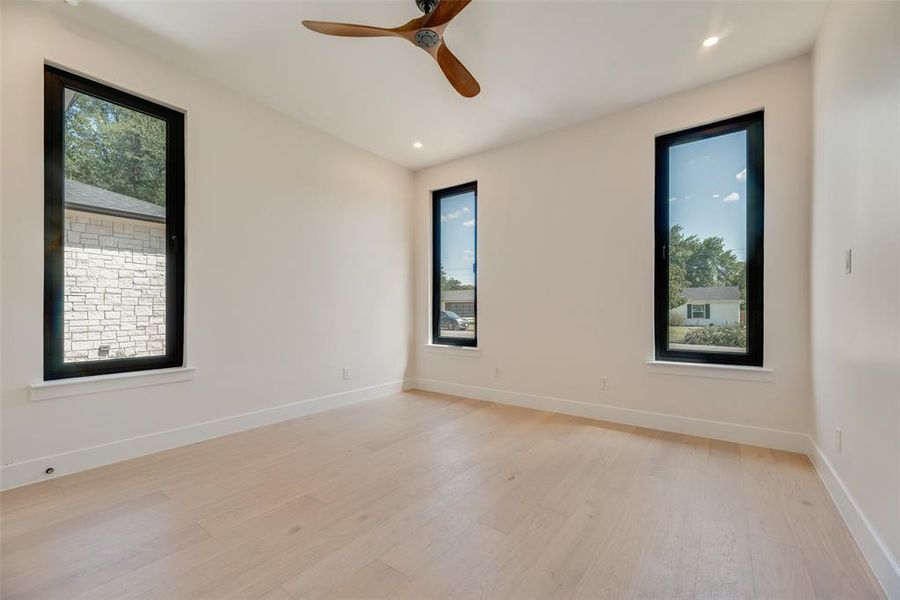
point(458, 236)
point(708, 189)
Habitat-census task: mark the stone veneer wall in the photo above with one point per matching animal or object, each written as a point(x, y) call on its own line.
point(115, 287)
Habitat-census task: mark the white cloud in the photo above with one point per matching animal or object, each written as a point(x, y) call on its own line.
point(717, 195)
point(673, 199)
point(465, 209)
point(469, 223)
point(450, 216)
point(732, 197)
point(742, 175)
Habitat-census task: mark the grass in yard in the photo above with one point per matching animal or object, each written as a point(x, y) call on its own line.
point(677, 333)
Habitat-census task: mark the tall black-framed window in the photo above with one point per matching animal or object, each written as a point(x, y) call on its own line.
point(113, 230)
point(454, 308)
point(709, 243)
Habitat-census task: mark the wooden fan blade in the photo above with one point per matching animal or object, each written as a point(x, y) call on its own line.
point(444, 12)
point(348, 29)
point(456, 72)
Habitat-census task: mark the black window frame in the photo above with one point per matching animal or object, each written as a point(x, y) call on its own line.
point(753, 124)
point(56, 81)
point(436, 197)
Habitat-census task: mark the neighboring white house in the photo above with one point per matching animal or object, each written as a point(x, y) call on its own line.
point(710, 306)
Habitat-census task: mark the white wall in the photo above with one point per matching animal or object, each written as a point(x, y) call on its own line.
point(300, 243)
point(856, 317)
point(570, 215)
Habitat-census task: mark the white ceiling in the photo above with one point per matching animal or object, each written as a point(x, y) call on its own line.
point(542, 65)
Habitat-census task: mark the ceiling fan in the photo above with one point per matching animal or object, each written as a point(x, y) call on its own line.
point(426, 32)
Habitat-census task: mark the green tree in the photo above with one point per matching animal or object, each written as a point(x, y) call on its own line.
point(115, 148)
point(695, 262)
point(449, 283)
point(676, 285)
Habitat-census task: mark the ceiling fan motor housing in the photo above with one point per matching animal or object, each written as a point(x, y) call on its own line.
point(426, 38)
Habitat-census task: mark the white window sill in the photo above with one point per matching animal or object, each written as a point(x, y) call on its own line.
point(454, 350)
point(79, 386)
point(739, 372)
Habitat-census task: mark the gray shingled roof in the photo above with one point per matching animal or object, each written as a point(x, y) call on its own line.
point(730, 292)
point(81, 196)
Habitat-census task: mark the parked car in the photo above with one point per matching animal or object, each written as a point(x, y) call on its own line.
point(452, 321)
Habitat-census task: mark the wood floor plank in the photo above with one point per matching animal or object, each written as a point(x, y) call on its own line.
point(724, 568)
point(436, 535)
point(669, 568)
point(313, 582)
point(566, 557)
point(630, 522)
point(276, 593)
point(96, 522)
point(764, 492)
point(374, 581)
point(100, 566)
point(419, 495)
point(442, 573)
point(524, 498)
point(33, 495)
point(499, 574)
point(217, 557)
point(779, 572)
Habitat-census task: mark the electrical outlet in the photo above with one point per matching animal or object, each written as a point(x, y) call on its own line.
point(839, 439)
point(602, 384)
point(848, 261)
point(346, 373)
point(497, 372)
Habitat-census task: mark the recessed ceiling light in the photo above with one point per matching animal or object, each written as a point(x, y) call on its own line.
point(417, 145)
point(711, 41)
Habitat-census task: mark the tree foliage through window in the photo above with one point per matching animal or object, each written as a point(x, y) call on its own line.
point(115, 148)
point(450, 283)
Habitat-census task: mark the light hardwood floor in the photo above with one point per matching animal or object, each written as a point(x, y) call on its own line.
point(420, 495)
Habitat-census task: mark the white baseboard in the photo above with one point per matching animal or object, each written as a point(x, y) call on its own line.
point(883, 563)
point(731, 432)
point(30, 471)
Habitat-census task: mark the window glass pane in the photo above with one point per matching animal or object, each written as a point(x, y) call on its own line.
point(115, 231)
point(707, 244)
point(457, 263)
